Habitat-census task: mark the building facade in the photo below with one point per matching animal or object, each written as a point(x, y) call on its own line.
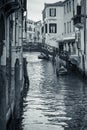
point(69, 30)
point(34, 31)
point(52, 29)
point(69, 38)
point(81, 23)
point(11, 59)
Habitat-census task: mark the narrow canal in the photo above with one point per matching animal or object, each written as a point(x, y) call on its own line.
point(53, 103)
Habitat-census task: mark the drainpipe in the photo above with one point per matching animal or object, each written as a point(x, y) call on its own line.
point(73, 9)
point(84, 37)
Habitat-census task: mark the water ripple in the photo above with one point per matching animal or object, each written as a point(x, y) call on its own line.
point(53, 103)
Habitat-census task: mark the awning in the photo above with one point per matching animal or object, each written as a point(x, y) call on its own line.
point(69, 39)
point(75, 59)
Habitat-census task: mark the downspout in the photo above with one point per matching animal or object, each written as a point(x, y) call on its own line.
point(84, 38)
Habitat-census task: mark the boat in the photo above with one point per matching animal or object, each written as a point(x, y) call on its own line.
point(61, 71)
point(43, 56)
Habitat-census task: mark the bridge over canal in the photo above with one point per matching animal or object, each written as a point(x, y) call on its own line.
point(46, 49)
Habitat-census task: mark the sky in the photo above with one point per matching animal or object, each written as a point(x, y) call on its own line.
point(35, 7)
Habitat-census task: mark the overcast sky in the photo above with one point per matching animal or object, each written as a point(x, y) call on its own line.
point(35, 8)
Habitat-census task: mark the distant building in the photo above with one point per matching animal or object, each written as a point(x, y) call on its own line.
point(38, 34)
point(30, 31)
point(34, 31)
point(52, 29)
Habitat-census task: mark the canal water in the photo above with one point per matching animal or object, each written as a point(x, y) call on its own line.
point(51, 102)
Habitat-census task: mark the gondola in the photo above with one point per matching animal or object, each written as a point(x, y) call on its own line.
point(43, 56)
point(61, 71)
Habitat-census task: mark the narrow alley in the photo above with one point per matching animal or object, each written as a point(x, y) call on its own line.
point(52, 103)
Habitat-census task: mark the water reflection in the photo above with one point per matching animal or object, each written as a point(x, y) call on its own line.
point(52, 103)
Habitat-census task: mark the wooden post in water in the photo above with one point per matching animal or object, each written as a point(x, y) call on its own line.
point(2, 100)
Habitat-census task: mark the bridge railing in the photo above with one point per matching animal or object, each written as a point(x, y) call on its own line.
point(47, 49)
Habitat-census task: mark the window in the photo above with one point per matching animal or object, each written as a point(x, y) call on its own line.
point(42, 30)
point(70, 26)
point(74, 48)
point(38, 35)
point(44, 15)
point(67, 27)
point(64, 27)
point(73, 27)
point(52, 28)
point(64, 9)
point(34, 29)
point(67, 7)
point(70, 6)
point(45, 28)
point(30, 29)
point(52, 12)
point(30, 36)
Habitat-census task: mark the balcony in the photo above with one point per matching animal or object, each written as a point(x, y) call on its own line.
point(77, 19)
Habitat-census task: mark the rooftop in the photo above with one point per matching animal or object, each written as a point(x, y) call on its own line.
point(60, 3)
point(66, 1)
